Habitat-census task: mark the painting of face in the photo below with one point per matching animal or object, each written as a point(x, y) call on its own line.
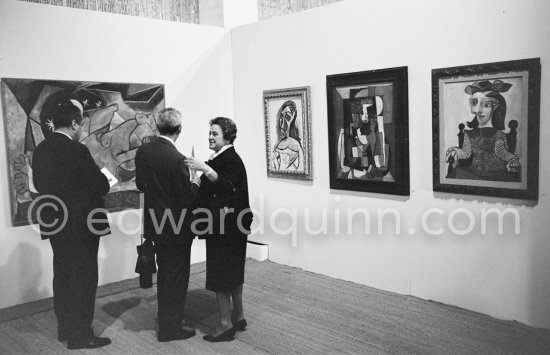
point(483, 107)
point(286, 113)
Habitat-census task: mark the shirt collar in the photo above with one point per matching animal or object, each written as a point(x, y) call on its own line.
point(64, 134)
point(223, 149)
point(169, 139)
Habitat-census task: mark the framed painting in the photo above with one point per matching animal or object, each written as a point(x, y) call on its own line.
point(486, 129)
point(368, 131)
point(287, 117)
point(118, 118)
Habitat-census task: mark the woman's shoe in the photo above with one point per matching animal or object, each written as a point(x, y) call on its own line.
point(240, 325)
point(228, 335)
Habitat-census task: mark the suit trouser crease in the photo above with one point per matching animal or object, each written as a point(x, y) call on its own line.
point(173, 259)
point(75, 283)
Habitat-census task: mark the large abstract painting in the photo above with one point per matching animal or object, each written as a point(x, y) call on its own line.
point(368, 131)
point(118, 118)
point(485, 128)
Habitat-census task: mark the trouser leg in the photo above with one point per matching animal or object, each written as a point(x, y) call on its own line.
point(75, 283)
point(173, 259)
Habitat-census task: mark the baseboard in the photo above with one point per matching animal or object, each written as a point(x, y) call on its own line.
point(257, 251)
point(46, 304)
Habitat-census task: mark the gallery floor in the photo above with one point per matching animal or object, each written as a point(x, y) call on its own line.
point(289, 311)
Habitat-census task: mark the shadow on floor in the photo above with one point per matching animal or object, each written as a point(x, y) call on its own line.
point(140, 313)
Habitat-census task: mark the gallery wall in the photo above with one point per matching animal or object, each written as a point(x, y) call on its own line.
point(209, 73)
point(49, 42)
point(505, 275)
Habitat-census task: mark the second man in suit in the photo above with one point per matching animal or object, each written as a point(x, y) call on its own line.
point(170, 195)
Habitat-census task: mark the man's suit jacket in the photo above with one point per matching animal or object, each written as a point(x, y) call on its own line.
point(65, 169)
point(162, 175)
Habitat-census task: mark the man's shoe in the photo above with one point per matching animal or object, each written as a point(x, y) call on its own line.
point(177, 335)
point(91, 343)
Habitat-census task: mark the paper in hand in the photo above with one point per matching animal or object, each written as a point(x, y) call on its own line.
point(110, 177)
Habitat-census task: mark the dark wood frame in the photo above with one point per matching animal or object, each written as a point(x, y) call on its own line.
point(398, 79)
point(529, 68)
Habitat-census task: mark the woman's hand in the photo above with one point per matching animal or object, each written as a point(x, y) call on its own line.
point(195, 164)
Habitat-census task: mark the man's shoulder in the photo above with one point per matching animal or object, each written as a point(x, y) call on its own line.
point(156, 148)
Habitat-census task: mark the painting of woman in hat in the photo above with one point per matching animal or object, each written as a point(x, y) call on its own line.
point(485, 151)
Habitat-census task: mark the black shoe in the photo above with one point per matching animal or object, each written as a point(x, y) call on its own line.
point(228, 335)
point(91, 343)
point(179, 334)
point(240, 325)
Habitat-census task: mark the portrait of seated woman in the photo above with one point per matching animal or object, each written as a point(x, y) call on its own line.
point(485, 151)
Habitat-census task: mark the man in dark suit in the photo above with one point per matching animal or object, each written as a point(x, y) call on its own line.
point(170, 195)
point(71, 187)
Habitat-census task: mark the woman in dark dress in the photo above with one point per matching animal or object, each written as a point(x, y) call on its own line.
point(224, 193)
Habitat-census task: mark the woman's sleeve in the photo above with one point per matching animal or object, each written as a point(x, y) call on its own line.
point(501, 150)
point(228, 176)
point(466, 151)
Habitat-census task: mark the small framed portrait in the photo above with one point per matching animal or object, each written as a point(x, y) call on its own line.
point(368, 132)
point(486, 129)
point(287, 117)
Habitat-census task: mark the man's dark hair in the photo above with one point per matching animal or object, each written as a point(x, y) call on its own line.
point(58, 110)
point(64, 114)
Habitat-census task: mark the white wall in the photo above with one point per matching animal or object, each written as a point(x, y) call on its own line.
point(506, 276)
point(50, 42)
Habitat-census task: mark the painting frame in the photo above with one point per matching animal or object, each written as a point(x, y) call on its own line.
point(356, 160)
point(287, 118)
point(517, 84)
point(118, 117)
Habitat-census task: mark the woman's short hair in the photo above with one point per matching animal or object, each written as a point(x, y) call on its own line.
point(229, 128)
point(169, 121)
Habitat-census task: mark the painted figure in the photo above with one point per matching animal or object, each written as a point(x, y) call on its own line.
point(364, 150)
point(288, 153)
point(484, 152)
